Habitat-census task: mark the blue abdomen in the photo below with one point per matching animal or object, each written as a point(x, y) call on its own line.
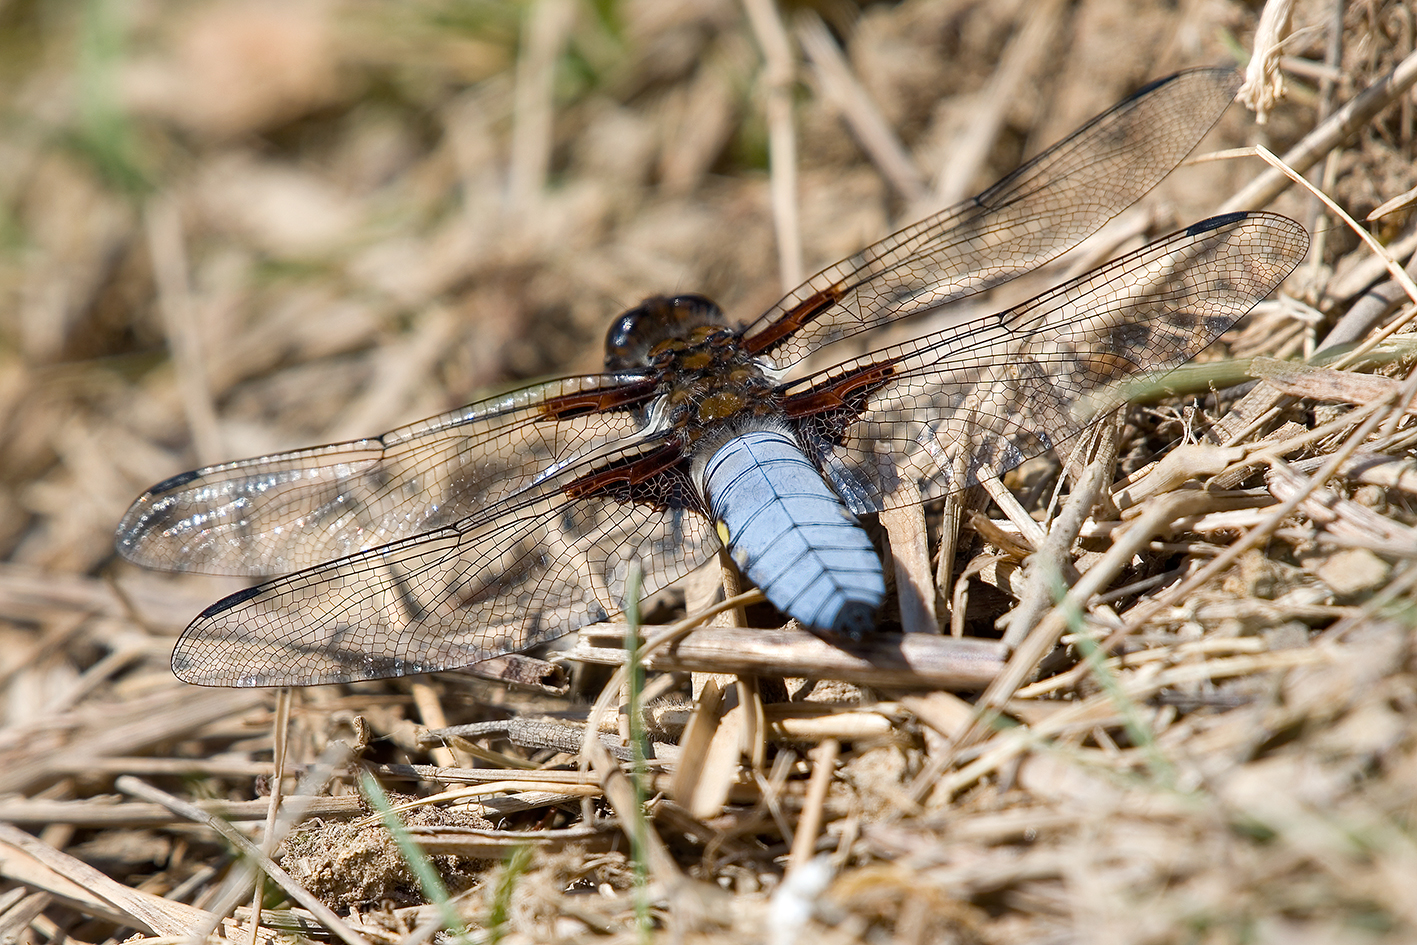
point(791, 535)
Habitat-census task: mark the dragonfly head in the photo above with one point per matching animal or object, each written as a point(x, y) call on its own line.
point(634, 336)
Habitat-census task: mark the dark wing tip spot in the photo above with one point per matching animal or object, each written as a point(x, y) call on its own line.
point(230, 601)
point(176, 482)
point(1215, 223)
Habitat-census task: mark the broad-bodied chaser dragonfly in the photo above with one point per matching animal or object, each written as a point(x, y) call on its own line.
point(515, 519)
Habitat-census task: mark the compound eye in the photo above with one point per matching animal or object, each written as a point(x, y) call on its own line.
point(633, 337)
point(625, 344)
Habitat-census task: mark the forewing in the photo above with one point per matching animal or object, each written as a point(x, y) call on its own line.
point(996, 391)
point(279, 514)
point(1039, 211)
point(537, 566)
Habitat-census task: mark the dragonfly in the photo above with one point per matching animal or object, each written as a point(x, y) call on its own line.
point(517, 519)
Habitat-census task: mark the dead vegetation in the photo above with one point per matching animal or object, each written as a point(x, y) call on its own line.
point(232, 228)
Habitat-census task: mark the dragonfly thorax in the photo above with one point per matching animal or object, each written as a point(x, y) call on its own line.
point(706, 380)
point(713, 386)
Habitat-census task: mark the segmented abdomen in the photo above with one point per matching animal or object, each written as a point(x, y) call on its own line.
point(790, 533)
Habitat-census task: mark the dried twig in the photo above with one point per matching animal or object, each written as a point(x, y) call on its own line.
point(914, 660)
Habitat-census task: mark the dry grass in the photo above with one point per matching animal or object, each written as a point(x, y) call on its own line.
point(231, 228)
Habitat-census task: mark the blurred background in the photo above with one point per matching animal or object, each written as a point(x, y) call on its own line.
point(230, 227)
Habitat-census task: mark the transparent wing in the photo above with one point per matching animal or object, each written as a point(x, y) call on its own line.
point(496, 526)
point(282, 513)
point(999, 390)
point(1036, 213)
point(532, 568)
